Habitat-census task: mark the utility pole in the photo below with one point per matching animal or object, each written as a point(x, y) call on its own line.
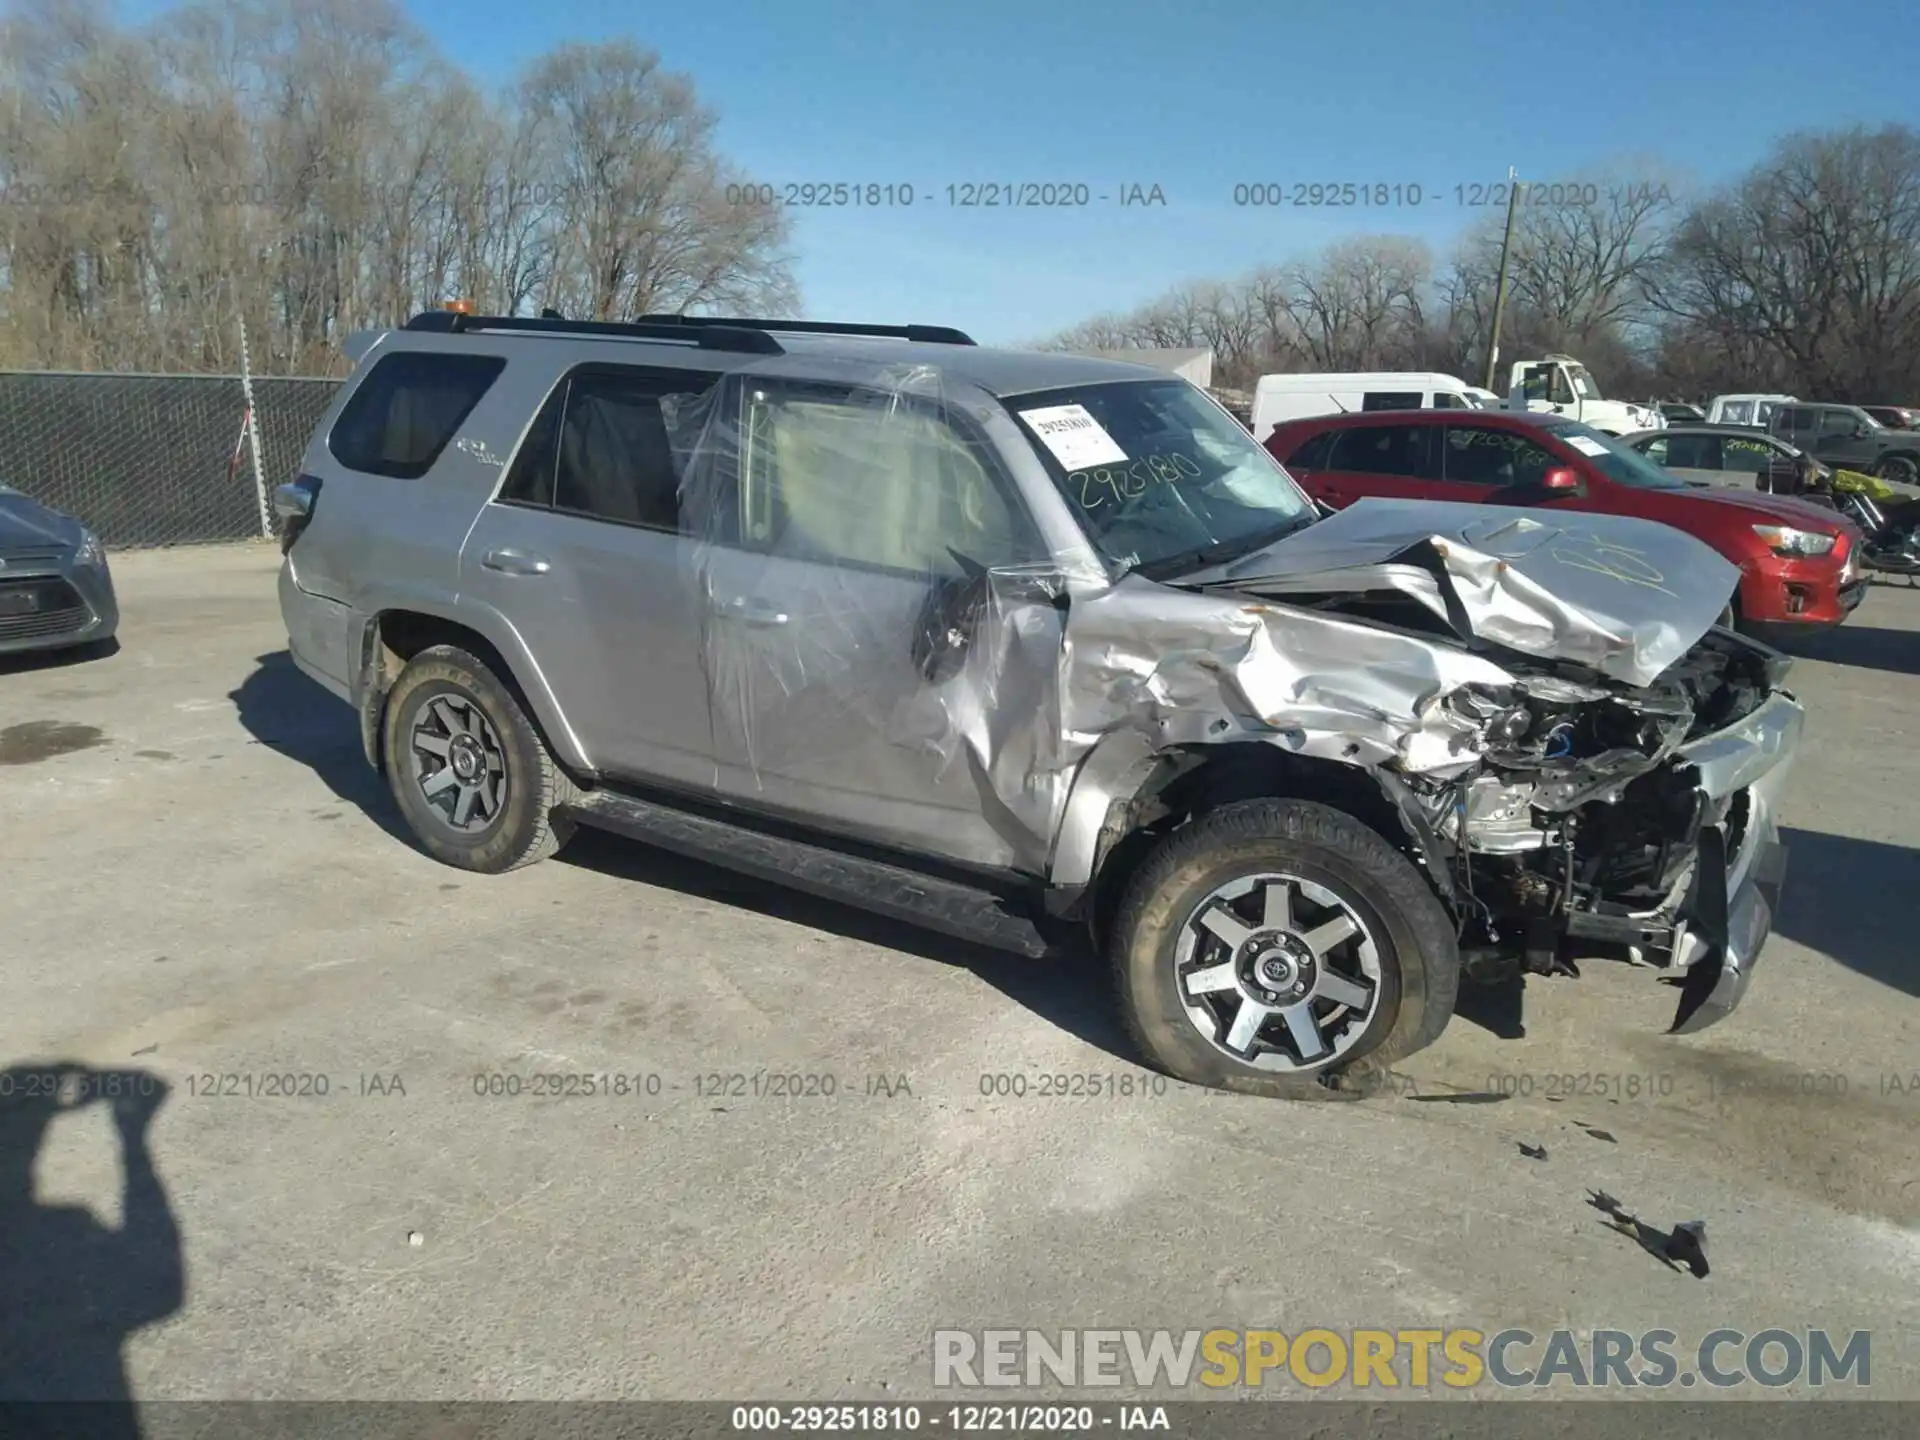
point(1500, 286)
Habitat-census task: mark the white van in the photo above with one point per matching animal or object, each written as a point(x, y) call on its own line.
point(1754, 410)
point(1279, 398)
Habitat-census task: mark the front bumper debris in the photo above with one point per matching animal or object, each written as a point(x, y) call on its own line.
point(1728, 914)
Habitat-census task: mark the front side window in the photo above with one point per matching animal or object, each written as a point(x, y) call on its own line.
point(842, 476)
point(1391, 400)
point(1619, 462)
point(1582, 382)
point(406, 410)
point(1482, 455)
point(1157, 476)
point(1839, 424)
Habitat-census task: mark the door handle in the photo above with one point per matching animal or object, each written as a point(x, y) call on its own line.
point(754, 611)
point(516, 562)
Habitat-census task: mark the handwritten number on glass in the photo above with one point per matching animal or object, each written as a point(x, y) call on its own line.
point(1095, 487)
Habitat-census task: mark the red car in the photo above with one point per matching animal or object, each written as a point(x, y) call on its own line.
point(1798, 561)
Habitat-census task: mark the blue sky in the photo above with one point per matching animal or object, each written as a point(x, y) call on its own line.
point(1198, 96)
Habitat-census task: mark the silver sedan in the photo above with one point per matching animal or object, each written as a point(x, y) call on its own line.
point(55, 589)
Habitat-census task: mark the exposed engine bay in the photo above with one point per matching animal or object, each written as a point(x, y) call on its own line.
point(1581, 821)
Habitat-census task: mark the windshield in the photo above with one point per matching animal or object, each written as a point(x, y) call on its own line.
point(1620, 463)
point(1583, 385)
point(1159, 477)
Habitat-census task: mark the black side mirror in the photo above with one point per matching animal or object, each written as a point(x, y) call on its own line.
point(949, 622)
point(945, 630)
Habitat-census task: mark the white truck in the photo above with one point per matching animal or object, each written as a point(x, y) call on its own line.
point(1561, 385)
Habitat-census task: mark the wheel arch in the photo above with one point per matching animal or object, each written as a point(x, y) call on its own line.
point(1140, 795)
point(391, 637)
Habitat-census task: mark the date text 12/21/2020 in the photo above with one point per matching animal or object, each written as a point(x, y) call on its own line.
point(1408, 194)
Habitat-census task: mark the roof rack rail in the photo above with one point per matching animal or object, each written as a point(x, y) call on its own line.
point(745, 340)
point(924, 334)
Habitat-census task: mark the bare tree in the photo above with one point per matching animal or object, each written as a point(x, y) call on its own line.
point(654, 219)
point(315, 166)
point(1582, 255)
point(1807, 270)
point(1357, 306)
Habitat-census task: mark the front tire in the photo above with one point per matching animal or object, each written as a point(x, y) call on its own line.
point(1271, 945)
point(468, 768)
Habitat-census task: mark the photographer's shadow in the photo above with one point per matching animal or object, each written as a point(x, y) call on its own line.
point(75, 1289)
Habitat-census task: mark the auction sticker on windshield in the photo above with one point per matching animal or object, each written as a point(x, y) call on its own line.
point(1586, 445)
point(1077, 440)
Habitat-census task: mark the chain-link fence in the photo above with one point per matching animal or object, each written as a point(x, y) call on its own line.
point(154, 459)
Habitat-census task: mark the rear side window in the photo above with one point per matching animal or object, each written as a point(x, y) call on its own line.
point(600, 448)
point(406, 410)
point(616, 460)
point(1391, 400)
point(1403, 450)
point(1693, 452)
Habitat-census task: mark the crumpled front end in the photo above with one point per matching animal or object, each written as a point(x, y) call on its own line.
point(1642, 824)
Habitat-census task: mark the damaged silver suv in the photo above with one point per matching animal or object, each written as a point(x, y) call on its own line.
point(1028, 648)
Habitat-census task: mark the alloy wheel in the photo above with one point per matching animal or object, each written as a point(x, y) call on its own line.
point(1278, 972)
point(458, 763)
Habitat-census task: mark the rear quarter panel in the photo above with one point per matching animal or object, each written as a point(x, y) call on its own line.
point(376, 543)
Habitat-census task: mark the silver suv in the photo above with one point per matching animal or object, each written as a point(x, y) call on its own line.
point(1032, 648)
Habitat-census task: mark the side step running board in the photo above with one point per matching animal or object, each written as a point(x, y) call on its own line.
point(948, 906)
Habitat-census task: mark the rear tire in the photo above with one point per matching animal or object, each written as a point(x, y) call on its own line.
point(1899, 468)
point(1188, 962)
point(469, 768)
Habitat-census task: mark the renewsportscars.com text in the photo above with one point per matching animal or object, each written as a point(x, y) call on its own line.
point(1398, 1359)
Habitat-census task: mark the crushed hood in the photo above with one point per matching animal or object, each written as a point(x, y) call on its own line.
point(1625, 597)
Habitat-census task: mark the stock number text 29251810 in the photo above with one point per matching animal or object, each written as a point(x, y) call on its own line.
point(1101, 485)
point(1332, 194)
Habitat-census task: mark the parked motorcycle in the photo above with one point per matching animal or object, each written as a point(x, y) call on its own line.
point(1889, 519)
